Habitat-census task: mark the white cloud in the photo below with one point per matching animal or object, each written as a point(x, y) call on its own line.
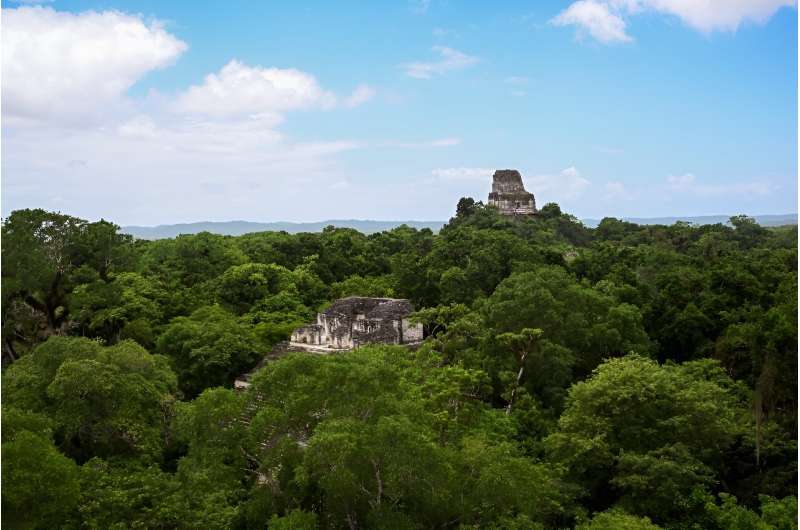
point(360, 95)
point(688, 184)
point(616, 190)
point(450, 59)
point(604, 19)
point(339, 185)
point(66, 66)
point(239, 90)
point(141, 126)
point(445, 142)
point(419, 7)
point(567, 184)
point(596, 18)
point(464, 173)
point(215, 145)
point(714, 15)
point(170, 169)
point(680, 182)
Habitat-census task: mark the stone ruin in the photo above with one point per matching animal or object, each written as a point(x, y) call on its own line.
point(509, 195)
point(354, 321)
point(346, 325)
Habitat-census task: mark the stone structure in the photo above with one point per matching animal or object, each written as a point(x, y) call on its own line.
point(509, 195)
point(347, 324)
point(354, 321)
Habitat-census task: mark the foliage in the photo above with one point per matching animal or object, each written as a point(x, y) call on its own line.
point(624, 376)
point(644, 437)
point(103, 401)
point(208, 348)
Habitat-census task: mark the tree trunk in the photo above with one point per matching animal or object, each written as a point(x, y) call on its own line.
point(378, 480)
point(9, 352)
point(519, 379)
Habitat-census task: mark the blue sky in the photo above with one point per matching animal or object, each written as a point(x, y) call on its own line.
point(395, 110)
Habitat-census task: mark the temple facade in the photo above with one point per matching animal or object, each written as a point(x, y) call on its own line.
point(347, 324)
point(509, 195)
point(355, 321)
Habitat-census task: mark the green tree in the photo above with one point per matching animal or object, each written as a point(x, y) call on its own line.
point(211, 347)
point(522, 345)
point(41, 250)
point(644, 437)
point(375, 286)
point(294, 520)
point(618, 520)
point(104, 401)
point(40, 484)
point(243, 285)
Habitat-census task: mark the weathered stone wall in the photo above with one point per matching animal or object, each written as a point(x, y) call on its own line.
point(411, 333)
point(351, 322)
point(509, 195)
point(347, 324)
point(507, 181)
point(308, 334)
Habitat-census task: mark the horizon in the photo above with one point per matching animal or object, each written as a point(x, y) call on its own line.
point(152, 113)
point(318, 221)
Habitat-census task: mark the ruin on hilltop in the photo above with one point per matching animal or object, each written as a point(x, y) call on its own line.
point(509, 195)
point(346, 325)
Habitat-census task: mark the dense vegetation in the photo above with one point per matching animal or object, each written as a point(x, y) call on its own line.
point(625, 377)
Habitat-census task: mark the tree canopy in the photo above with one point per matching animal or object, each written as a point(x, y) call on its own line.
point(618, 377)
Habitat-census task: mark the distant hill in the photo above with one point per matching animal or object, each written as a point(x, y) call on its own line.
point(236, 228)
point(763, 220)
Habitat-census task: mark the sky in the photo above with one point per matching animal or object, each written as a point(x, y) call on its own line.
point(153, 112)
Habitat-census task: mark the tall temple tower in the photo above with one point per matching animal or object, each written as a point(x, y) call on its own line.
point(509, 195)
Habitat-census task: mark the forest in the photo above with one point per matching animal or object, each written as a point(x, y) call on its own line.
point(621, 377)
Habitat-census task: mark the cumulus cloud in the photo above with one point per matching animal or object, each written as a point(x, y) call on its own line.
point(135, 171)
point(567, 184)
point(59, 65)
point(360, 95)
point(604, 20)
point(598, 19)
point(238, 90)
point(714, 15)
point(216, 145)
point(688, 184)
point(141, 126)
point(680, 182)
point(450, 59)
point(616, 190)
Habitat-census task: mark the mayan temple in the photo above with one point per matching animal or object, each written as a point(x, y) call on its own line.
point(509, 195)
point(347, 324)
